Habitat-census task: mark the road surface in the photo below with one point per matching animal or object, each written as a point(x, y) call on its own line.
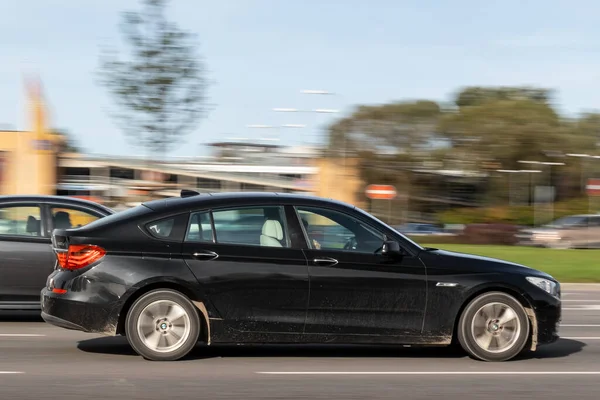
point(38, 361)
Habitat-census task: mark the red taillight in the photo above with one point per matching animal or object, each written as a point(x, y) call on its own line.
point(79, 256)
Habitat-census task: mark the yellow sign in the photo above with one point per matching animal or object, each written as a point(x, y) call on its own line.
point(43, 142)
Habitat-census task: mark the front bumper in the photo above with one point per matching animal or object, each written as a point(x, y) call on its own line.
point(548, 315)
point(59, 310)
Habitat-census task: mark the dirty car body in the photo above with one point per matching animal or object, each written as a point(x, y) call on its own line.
point(280, 268)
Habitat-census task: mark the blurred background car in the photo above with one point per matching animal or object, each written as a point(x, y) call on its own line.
point(575, 231)
point(26, 256)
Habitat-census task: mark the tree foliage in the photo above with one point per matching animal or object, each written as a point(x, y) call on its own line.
point(487, 128)
point(475, 96)
point(397, 128)
point(160, 89)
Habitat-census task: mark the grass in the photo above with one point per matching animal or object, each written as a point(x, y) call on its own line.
point(572, 266)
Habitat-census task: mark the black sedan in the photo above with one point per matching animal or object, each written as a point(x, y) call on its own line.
point(284, 268)
point(26, 256)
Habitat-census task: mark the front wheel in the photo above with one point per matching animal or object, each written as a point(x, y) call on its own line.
point(493, 327)
point(162, 325)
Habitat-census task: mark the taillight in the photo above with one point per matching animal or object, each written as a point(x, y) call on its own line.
point(79, 256)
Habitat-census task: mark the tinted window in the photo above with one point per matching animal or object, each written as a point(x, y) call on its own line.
point(328, 229)
point(595, 221)
point(200, 228)
point(161, 229)
point(259, 226)
point(66, 218)
point(20, 221)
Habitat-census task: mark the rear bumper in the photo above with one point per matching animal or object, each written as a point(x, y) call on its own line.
point(59, 310)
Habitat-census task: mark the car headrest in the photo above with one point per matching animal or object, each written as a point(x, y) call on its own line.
point(272, 228)
point(33, 225)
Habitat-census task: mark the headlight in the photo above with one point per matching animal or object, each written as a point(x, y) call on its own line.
point(550, 287)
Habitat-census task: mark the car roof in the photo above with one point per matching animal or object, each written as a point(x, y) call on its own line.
point(233, 198)
point(54, 199)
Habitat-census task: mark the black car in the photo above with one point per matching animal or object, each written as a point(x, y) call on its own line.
point(247, 268)
point(26, 256)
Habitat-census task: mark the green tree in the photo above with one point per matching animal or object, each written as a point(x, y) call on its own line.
point(477, 95)
point(160, 90)
point(505, 131)
point(406, 127)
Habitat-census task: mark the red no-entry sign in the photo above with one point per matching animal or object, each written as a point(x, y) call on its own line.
point(593, 187)
point(385, 192)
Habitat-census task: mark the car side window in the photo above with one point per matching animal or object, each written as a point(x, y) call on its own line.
point(256, 226)
point(172, 228)
point(333, 230)
point(66, 217)
point(161, 229)
point(200, 228)
point(595, 222)
point(20, 221)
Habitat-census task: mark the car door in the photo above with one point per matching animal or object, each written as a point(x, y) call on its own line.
point(254, 274)
point(26, 258)
point(354, 290)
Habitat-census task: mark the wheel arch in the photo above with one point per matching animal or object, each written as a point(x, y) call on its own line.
point(507, 289)
point(199, 305)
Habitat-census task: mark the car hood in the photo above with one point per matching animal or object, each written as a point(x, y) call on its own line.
point(484, 264)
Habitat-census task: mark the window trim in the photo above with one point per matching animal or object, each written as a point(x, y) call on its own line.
point(334, 209)
point(44, 237)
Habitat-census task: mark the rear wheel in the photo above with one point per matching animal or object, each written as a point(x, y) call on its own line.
point(162, 325)
point(493, 327)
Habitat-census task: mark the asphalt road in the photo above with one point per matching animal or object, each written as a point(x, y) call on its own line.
point(38, 361)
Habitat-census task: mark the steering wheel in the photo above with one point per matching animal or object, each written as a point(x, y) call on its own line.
point(351, 244)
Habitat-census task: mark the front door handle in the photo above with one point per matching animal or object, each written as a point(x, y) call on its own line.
point(327, 261)
point(205, 255)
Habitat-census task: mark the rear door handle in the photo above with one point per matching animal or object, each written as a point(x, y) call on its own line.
point(205, 255)
point(327, 261)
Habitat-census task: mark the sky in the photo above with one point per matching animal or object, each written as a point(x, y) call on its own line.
point(260, 54)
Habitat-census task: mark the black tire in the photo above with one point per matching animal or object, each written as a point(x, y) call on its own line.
point(472, 316)
point(163, 299)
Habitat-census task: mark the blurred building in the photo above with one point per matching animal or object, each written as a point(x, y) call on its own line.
point(28, 159)
point(34, 162)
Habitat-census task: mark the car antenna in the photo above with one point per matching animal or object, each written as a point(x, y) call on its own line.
point(188, 193)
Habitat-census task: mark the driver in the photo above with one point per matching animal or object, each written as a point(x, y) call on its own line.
point(316, 244)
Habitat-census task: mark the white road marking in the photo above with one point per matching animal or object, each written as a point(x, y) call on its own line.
point(428, 372)
point(579, 326)
point(20, 335)
point(581, 338)
point(581, 301)
point(11, 372)
point(585, 307)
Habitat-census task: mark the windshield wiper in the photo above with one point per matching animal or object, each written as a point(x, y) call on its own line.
point(429, 248)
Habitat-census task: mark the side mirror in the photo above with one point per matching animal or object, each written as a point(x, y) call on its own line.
point(391, 249)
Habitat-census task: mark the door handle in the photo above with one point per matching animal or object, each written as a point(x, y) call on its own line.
point(328, 261)
point(205, 255)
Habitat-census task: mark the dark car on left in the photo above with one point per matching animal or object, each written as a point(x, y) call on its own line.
point(26, 256)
